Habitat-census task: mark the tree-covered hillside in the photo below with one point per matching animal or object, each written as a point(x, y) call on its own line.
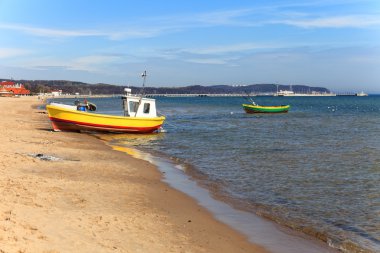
point(72, 87)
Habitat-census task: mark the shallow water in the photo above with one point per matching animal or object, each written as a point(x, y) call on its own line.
point(314, 169)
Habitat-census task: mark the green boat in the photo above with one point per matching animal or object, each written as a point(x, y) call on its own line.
point(251, 108)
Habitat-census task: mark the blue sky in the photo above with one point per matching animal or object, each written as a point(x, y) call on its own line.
point(334, 44)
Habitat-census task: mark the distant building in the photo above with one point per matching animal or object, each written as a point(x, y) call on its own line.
point(56, 93)
point(11, 88)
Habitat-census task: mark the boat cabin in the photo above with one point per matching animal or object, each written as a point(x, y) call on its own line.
point(135, 106)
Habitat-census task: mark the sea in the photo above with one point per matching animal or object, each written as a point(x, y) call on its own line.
point(315, 169)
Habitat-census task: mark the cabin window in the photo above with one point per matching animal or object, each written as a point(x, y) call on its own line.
point(133, 106)
point(146, 108)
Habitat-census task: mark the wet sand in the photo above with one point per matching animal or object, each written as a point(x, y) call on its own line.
point(92, 198)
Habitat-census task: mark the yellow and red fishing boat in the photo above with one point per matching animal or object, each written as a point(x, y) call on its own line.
point(66, 119)
point(140, 116)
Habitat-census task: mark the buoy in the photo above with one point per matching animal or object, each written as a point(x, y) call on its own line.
point(161, 130)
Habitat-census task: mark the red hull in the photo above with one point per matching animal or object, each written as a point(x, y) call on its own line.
point(73, 126)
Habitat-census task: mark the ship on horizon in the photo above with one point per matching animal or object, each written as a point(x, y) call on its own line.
point(290, 93)
point(361, 94)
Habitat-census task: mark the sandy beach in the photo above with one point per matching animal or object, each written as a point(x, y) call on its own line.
point(87, 197)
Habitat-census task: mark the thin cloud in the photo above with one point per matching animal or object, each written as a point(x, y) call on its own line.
point(334, 22)
point(46, 32)
point(208, 61)
point(216, 18)
point(147, 28)
point(64, 33)
point(12, 52)
point(92, 63)
point(246, 17)
point(225, 49)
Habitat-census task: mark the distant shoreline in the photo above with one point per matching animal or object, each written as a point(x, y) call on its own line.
point(202, 95)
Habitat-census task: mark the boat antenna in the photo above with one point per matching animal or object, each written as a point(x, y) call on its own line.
point(143, 75)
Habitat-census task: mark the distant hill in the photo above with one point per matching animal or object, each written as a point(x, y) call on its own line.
point(72, 87)
point(228, 89)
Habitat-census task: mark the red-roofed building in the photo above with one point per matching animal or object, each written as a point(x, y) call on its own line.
point(14, 88)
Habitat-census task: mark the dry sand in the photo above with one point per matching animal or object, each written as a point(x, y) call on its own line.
point(93, 199)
